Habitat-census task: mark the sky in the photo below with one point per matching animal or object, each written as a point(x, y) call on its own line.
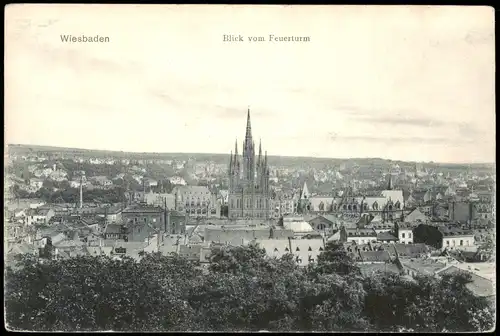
point(411, 83)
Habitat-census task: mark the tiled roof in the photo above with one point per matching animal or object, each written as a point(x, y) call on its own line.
point(375, 256)
point(406, 250)
point(386, 236)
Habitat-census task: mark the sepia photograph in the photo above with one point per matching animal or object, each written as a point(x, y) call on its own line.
point(249, 168)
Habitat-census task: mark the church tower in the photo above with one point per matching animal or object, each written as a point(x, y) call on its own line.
point(248, 183)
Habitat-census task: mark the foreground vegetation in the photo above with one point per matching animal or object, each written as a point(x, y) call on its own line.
point(242, 290)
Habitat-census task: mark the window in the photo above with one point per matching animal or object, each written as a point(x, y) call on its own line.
point(409, 235)
point(402, 235)
point(461, 242)
point(448, 242)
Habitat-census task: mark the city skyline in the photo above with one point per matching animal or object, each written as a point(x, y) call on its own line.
point(409, 84)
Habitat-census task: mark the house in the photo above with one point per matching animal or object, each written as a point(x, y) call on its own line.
point(39, 216)
point(240, 235)
point(304, 251)
point(142, 220)
point(360, 236)
point(404, 232)
point(386, 237)
point(110, 214)
point(444, 237)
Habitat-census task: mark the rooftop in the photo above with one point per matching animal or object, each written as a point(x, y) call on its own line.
point(142, 208)
point(380, 256)
point(368, 269)
point(386, 236)
point(423, 266)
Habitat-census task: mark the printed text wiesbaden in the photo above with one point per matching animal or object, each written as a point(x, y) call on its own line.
point(84, 39)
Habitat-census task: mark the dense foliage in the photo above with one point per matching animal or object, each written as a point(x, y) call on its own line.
point(72, 195)
point(242, 289)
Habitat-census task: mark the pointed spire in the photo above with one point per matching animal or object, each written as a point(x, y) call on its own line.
point(231, 163)
point(260, 147)
point(236, 149)
point(390, 186)
point(248, 134)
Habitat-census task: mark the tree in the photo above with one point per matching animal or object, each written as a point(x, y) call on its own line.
point(335, 259)
point(487, 249)
point(425, 304)
point(96, 293)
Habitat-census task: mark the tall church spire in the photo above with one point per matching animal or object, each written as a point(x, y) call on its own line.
point(236, 149)
point(248, 135)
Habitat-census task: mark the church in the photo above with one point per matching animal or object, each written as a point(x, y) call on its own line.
point(249, 192)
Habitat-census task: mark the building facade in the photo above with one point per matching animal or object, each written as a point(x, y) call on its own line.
point(249, 192)
point(196, 201)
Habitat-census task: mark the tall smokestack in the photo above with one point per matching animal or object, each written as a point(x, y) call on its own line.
point(81, 192)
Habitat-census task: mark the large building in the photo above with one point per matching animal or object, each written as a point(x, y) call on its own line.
point(249, 194)
point(388, 204)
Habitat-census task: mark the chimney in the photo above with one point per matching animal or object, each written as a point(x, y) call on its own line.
point(81, 192)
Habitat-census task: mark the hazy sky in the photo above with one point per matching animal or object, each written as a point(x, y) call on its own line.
point(409, 83)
